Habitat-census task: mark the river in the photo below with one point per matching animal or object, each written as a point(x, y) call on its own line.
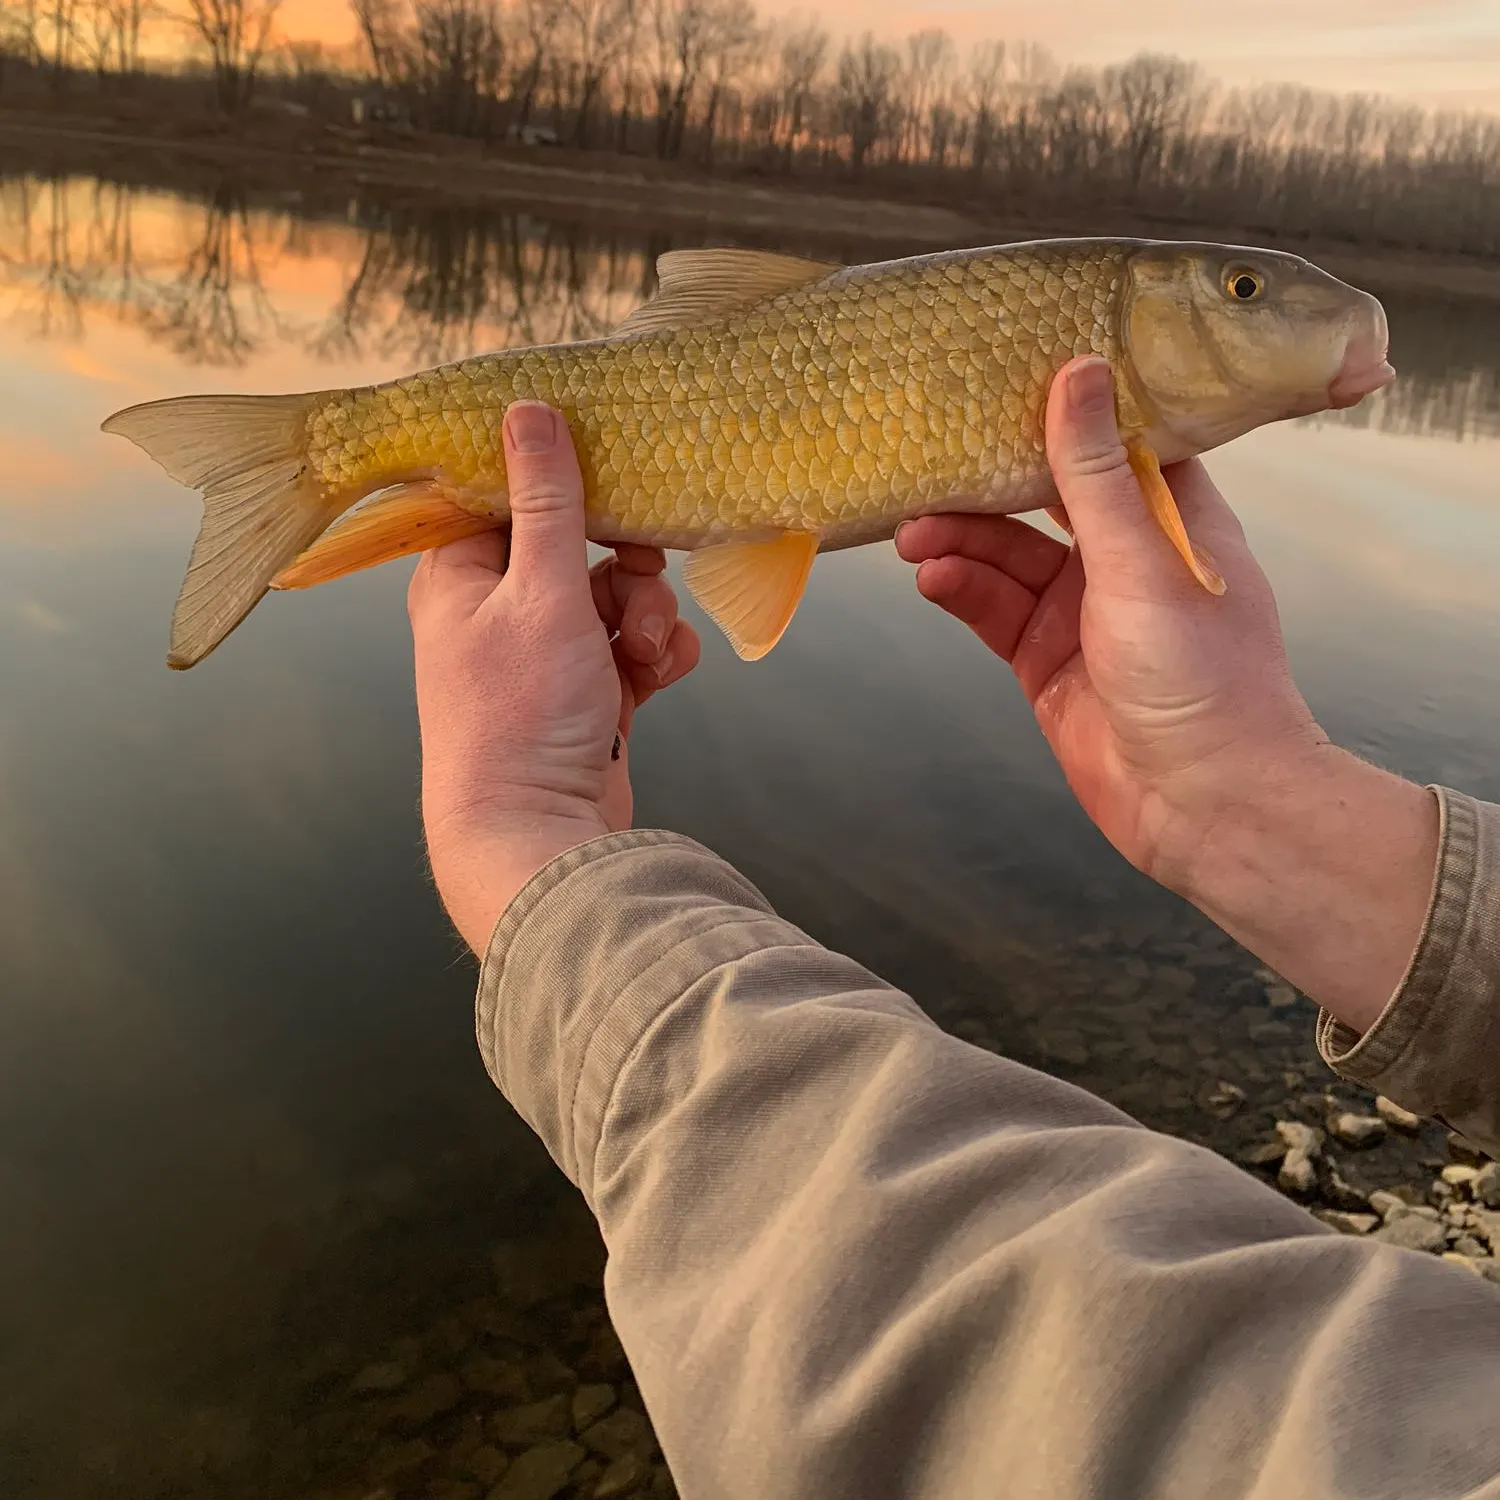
point(247, 1148)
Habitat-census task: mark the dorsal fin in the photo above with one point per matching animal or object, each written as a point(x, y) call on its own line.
point(698, 286)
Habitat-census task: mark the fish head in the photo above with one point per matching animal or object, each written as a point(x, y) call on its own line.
point(1219, 340)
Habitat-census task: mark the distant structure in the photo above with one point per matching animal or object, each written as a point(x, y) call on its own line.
point(382, 110)
point(531, 135)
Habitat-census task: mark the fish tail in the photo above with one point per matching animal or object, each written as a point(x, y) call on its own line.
point(262, 504)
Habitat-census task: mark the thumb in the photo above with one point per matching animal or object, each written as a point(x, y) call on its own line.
point(548, 548)
point(1117, 537)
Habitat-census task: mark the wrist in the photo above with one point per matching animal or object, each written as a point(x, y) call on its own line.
point(1322, 865)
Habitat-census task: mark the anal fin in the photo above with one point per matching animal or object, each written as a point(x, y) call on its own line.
point(751, 589)
point(1163, 508)
point(415, 518)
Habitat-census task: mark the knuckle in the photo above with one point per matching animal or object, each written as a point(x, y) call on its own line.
point(1087, 458)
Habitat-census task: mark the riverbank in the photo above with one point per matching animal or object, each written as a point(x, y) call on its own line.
point(320, 162)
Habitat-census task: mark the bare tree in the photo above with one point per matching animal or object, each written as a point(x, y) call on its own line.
point(381, 33)
point(924, 78)
point(236, 34)
point(868, 73)
point(456, 63)
point(597, 33)
point(1156, 98)
point(804, 56)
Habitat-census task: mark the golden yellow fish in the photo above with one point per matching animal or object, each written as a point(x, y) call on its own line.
point(762, 408)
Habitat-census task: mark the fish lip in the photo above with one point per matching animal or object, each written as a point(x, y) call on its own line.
point(1350, 386)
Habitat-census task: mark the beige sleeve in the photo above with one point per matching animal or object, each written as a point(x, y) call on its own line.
point(854, 1258)
point(1435, 1048)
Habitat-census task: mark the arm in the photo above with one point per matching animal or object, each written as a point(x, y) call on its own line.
point(851, 1257)
point(1176, 721)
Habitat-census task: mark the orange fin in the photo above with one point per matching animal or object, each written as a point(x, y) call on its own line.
point(751, 590)
point(1163, 508)
point(416, 518)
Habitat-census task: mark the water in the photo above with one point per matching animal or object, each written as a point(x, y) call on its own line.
point(246, 1144)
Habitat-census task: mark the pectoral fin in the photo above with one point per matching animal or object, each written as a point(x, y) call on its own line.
point(416, 518)
point(1163, 508)
point(751, 589)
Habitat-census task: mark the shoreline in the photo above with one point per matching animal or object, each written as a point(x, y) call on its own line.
point(618, 189)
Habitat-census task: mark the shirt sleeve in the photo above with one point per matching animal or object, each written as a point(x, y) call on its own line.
point(852, 1257)
point(1435, 1048)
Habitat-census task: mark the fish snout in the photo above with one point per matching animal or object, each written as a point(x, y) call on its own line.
point(1365, 368)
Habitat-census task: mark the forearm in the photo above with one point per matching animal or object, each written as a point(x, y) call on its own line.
point(852, 1257)
point(1324, 869)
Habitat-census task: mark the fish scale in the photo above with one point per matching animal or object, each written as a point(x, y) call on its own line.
point(908, 382)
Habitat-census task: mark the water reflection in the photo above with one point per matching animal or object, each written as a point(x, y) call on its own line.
point(243, 1127)
point(420, 286)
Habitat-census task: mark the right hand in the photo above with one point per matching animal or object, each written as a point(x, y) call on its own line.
point(1161, 702)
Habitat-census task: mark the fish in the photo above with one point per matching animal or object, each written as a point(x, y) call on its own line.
point(762, 408)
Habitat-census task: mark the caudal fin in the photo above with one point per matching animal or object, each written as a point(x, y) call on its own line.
point(247, 455)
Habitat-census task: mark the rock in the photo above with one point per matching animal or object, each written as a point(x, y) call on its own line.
point(399, 1458)
point(1298, 1174)
point(547, 1373)
point(436, 1394)
point(1486, 1227)
point(620, 1477)
point(486, 1464)
point(1459, 1174)
point(1462, 1149)
point(1396, 1117)
point(525, 1426)
point(1490, 1270)
point(1271, 1031)
point(387, 1376)
point(452, 1489)
point(539, 1473)
point(1340, 1193)
point(495, 1377)
point(662, 1487)
point(1442, 1196)
point(604, 1359)
point(1355, 1130)
point(1486, 1185)
point(1265, 1154)
point(451, 1336)
point(590, 1402)
point(1413, 1233)
point(1280, 995)
point(622, 1431)
point(1386, 1203)
point(1458, 1258)
point(1346, 1223)
point(1466, 1244)
point(1307, 1139)
point(1223, 1099)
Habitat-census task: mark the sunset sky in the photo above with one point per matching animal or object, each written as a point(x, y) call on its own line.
point(1441, 52)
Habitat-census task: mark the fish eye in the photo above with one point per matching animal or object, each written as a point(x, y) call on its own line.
point(1243, 284)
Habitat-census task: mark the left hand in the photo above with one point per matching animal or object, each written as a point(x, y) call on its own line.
point(525, 674)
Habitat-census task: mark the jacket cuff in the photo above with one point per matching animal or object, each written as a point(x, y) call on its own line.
point(1435, 1048)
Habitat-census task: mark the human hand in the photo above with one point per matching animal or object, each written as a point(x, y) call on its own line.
point(525, 675)
point(1158, 699)
point(1174, 716)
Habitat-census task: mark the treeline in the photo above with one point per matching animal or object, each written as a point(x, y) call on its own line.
point(706, 83)
point(422, 286)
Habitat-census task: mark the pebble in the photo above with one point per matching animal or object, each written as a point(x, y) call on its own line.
point(539, 1473)
point(1341, 1193)
point(1346, 1223)
point(1307, 1139)
point(1387, 1203)
point(1265, 1154)
point(1224, 1099)
point(451, 1489)
point(495, 1377)
point(1396, 1117)
point(621, 1432)
point(399, 1458)
point(522, 1426)
point(438, 1393)
point(1458, 1258)
point(1358, 1130)
point(620, 1477)
point(1413, 1233)
point(388, 1376)
point(1271, 1031)
point(1458, 1174)
point(1462, 1149)
point(1298, 1174)
point(1486, 1185)
point(1280, 995)
point(590, 1402)
point(486, 1464)
point(1466, 1244)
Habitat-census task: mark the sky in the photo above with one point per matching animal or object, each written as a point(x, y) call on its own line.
point(1444, 53)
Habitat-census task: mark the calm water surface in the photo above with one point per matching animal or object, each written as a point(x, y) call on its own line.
point(245, 1138)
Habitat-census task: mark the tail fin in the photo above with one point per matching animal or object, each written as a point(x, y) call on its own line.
point(261, 507)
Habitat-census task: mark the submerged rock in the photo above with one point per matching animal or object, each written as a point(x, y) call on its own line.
point(1397, 1117)
point(539, 1473)
point(1413, 1233)
point(1357, 1130)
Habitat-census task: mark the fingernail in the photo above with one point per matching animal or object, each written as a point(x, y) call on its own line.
point(662, 667)
point(1091, 387)
point(654, 628)
point(531, 427)
point(904, 526)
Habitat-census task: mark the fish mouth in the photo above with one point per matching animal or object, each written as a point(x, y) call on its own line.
point(1365, 368)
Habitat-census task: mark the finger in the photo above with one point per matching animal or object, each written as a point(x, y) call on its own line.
point(1051, 640)
point(637, 559)
point(991, 603)
point(549, 551)
point(641, 607)
point(1122, 546)
point(461, 575)
point(1029, 556)
point(679, 657)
